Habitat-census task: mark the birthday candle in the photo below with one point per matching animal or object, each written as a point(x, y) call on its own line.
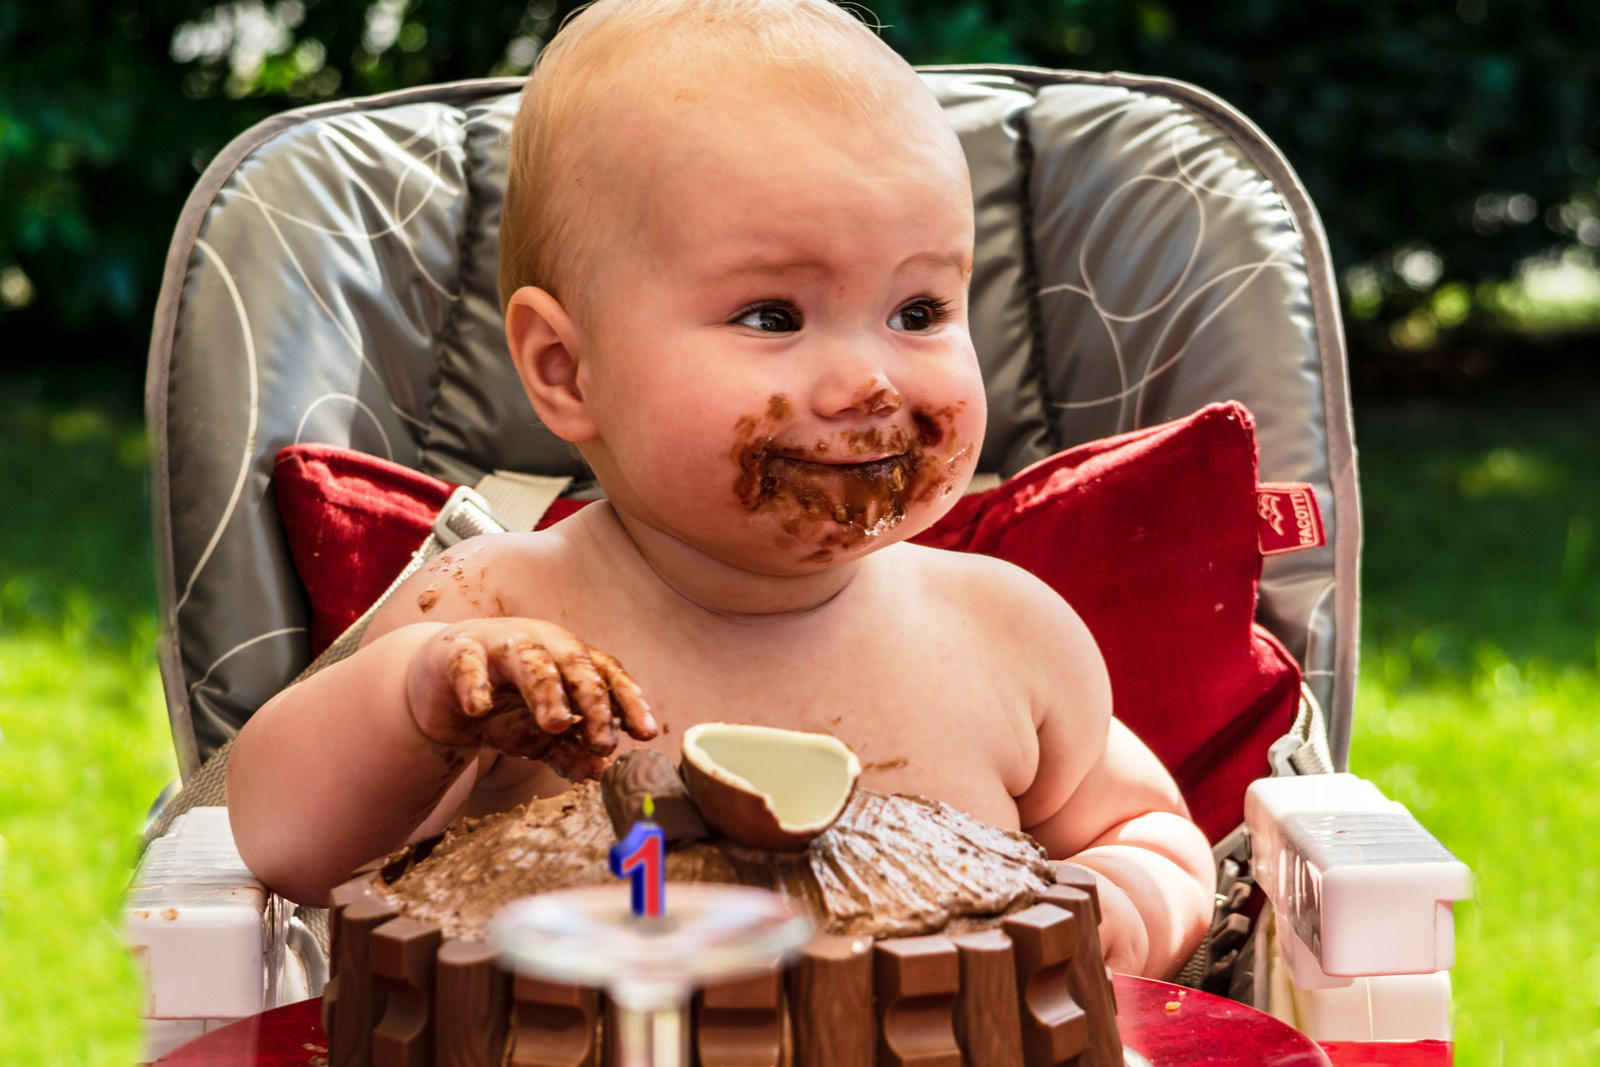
point(641, 856)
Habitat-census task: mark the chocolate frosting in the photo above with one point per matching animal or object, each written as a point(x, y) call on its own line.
point(892, 866)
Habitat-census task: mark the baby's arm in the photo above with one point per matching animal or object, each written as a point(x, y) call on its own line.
point(333, 771)
point(1102, 800)
point(1127, 823)
point(385, 746)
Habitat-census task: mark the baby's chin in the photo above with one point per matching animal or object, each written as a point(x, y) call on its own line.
point(809, 543)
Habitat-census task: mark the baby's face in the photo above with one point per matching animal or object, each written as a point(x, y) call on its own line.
point(776, 344)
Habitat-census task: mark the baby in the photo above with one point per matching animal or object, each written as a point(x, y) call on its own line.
point(734, 262)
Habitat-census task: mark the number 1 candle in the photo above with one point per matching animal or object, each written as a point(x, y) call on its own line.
point(641, 857)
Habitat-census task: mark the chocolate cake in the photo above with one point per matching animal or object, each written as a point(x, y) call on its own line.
point(941, 940)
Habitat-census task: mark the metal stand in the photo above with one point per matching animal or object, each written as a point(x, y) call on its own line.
point(649, 968)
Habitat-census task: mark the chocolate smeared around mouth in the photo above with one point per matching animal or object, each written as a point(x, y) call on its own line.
point(868, 496)
point(847, 502)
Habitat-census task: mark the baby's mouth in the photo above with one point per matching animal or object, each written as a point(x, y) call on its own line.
point(868, 495)
point(841, 459)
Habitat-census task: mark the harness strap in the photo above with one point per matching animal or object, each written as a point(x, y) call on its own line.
point(1304, 749)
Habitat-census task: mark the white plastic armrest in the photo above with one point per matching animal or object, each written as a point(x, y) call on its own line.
point(205, 932)
point(1359, 887)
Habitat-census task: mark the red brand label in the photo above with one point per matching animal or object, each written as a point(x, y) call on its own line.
point(1289, 518)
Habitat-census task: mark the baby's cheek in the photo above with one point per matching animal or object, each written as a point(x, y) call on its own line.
point(949, 436)
point(971, 406)
point(673, 470)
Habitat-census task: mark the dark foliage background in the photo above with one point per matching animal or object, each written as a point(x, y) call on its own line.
point(1445, 143)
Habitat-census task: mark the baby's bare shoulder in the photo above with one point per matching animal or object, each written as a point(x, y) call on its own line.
point(495, 575)
point(1009, 599)
point(1013, 619)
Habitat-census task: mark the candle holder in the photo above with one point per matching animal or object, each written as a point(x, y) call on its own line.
point(649, 967)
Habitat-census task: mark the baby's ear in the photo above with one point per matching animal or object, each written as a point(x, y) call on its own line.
point(544, 344)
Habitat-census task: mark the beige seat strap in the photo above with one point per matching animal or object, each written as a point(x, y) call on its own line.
point(521, 499)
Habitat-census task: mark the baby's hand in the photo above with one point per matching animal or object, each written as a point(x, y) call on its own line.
point(1124, 941)
point(527, 688)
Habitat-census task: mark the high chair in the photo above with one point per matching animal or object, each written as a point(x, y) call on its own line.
point(1142, 250)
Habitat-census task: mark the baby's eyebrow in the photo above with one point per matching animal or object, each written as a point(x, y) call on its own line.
point(765, 267)
point(959, 262)
point(956, 261)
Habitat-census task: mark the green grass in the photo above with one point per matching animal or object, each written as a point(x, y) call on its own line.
point(84, 746)
point(1480, 689)
point(1479, 705)
point(1502, 770)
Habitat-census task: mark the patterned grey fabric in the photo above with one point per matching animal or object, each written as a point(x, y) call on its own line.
point(1142, 251)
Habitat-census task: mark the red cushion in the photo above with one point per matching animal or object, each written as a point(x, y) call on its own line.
point(353, 521)
point(1151, 536)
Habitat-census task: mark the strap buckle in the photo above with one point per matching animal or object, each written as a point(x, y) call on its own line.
point(465, 514)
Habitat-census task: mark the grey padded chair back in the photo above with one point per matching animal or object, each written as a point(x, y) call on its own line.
point(1142, 250)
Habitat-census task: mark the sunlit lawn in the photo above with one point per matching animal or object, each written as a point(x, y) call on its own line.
point(1479, 702)
point(85, 746)
point(1478, 705)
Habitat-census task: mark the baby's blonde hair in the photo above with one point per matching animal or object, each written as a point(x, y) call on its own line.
point(822, 52)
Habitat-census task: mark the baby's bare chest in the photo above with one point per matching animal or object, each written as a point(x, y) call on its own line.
point(911, 718)
point(925, 711)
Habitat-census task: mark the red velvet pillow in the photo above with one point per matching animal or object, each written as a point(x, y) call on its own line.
point(353, 521)
point(1152, 536)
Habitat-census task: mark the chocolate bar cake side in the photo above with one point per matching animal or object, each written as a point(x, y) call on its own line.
point(941, 940)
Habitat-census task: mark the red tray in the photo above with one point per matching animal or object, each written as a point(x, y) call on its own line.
point(1168, 1025)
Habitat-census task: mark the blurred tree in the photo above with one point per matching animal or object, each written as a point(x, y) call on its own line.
point(110, 110)
point(1444, 144)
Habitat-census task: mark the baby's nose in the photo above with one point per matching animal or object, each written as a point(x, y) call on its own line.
point(873, 395)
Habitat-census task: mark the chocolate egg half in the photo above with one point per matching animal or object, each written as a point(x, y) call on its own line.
point(767, 788)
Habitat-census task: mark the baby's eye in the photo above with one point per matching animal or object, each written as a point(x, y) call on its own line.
point(920, 315)
point(771, 318)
